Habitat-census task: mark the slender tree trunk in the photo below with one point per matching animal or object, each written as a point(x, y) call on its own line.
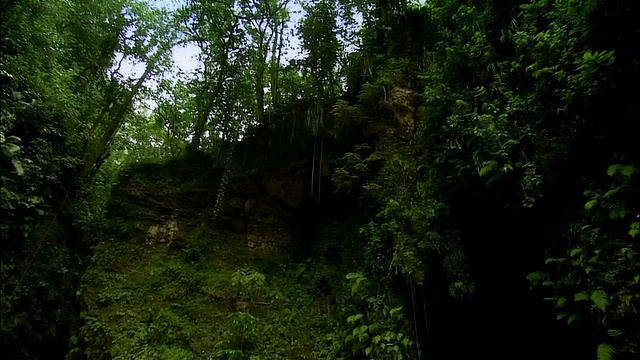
point(96, 156)
point(260, 93)
point(313, 165)
point(205, 110)
point(111, 99)
point(293, 131)
point(320, 167)
point(276, 48)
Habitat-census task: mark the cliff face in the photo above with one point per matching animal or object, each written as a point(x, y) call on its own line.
point(261, 207)
point(165, 283)
point(264, 207)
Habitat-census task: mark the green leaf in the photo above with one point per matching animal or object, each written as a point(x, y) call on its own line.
point(628, 170)
point(618, 213)
point(353, 275)
point(553, 260)
point(507, 168)
point(613, 169)
point(488, 167)
point(561, 302)
point(613, 191)
point(606, 352)
point(535, 277)
point(590, 204)
point(9, 149)
point(635, 229)
point(600, 299)
point(581, 296)
point(576, 251)
point(17, 165)
point(615, 332)
point(395, 310)
point(13, 140)
point(573, 318)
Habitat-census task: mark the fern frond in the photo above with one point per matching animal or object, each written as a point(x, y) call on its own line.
point(600, 299)
point(606, 351)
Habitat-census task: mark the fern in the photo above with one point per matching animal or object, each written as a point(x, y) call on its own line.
point(600, 299)
point(581, 296)
point(606, 352)
point(573, 318)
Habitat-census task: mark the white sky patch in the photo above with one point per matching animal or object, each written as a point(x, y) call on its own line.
point(185, 58)
point(170, 5)
point(127, 69)
point(294, 48)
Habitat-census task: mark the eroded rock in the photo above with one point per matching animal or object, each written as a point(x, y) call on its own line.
point(267, 203)
point(163, 233)
point(401, 102)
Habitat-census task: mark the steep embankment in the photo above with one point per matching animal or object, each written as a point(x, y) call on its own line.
point(167, 284)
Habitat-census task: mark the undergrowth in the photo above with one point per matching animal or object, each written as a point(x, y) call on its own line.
point(201, 295)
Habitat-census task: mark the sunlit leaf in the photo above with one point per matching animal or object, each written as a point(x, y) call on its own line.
point(576, 251)
point(590, 204)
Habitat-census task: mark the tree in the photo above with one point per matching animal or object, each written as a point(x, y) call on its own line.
point(319, 40)
point(215, 27)
point(264, 22)
point(53, 59)
point(148, 39)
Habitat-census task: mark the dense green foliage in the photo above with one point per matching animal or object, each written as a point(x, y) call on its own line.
point(531, 99)
point(52, 64)
point(265, 206)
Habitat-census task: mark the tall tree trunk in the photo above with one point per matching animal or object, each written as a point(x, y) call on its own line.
point(260, 70)
point(260, 93)
point(313, 164)
point(276, 49)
